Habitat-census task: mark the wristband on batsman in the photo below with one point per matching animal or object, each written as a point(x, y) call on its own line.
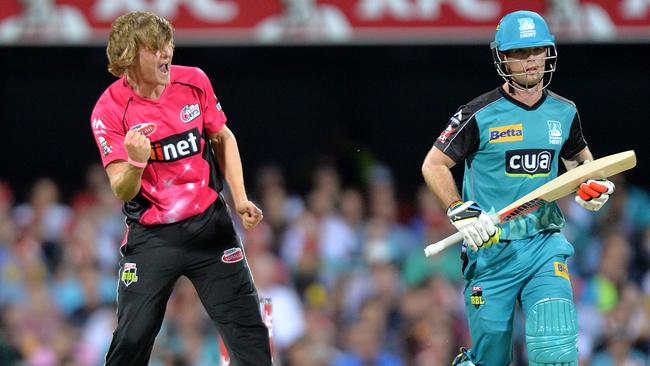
point(137, 164)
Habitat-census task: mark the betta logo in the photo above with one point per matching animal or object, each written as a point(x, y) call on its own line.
point(190, 112)
point(176, 147)
point(506, 133)
point(145, 128)
point(561, 270)
point(529, 163)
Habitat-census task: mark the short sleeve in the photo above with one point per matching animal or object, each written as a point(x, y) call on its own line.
point(214, 117)
point(576, 141)
point(460, 137)
point(109, 133)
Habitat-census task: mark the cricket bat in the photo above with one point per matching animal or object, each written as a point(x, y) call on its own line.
point(557, 188)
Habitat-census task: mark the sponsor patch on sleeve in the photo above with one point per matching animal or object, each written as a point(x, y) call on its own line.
point(561, 270)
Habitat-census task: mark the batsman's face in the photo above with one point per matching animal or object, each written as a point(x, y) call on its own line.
point(526, 65)
point(153, 67)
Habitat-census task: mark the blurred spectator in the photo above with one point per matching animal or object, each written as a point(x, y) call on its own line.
point(288, 317)
point(44, 219)
point(44, 21)
point(384, 215)
point(269, 178)
point(187, 335)
point(9, 354)
point(43, 215)
point(319, 244)
point(619, 351)
point(363, 347)
point(305, 20)
point(305, 353)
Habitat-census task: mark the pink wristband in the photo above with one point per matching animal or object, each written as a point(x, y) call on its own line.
point(137, 164)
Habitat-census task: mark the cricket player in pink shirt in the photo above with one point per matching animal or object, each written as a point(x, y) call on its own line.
point(164, 144)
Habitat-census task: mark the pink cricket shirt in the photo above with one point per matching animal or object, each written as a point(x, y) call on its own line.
point(176, 179)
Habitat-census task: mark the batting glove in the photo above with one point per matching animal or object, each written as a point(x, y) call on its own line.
point(479, 231)
point(593, 194)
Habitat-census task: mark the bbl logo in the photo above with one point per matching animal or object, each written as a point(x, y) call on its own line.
point(477, 296)
point(129, 273)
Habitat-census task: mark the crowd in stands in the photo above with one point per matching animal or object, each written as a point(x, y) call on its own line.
point(343, 265)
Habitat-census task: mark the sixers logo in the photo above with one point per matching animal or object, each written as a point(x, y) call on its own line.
point(190, 112)
point(145, 128)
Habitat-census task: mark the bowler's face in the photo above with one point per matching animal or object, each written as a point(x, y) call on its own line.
point(152, 67)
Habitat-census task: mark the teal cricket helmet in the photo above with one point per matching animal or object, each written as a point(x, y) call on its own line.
point(523, 29)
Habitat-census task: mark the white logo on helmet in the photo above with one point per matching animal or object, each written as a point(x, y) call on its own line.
point(526, 28)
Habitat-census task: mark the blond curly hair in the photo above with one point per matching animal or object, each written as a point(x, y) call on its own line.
point(131, 31)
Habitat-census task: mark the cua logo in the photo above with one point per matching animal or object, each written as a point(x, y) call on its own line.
point(529, 162)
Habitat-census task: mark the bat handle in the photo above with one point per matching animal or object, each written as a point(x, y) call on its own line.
point(435, 248)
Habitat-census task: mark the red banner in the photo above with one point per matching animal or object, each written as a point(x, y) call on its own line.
point(252, 21)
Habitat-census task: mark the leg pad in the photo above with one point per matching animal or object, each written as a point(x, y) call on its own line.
point(552, 333)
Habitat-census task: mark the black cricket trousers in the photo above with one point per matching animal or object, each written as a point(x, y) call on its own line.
point(206, 249)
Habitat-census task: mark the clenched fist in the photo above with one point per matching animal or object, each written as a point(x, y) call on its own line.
point(138, 146)
point(250, 214)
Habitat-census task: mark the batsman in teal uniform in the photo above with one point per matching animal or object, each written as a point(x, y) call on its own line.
point(511, 141)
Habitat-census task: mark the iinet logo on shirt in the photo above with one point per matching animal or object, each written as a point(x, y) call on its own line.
point(176, 147)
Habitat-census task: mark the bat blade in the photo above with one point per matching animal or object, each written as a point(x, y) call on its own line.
point(557, 188)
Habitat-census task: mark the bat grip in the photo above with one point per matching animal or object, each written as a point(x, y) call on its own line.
point(435, 248)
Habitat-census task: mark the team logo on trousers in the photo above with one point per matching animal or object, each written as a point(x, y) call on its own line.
point(477, 296)
point(129, 273)
point(232, 255)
